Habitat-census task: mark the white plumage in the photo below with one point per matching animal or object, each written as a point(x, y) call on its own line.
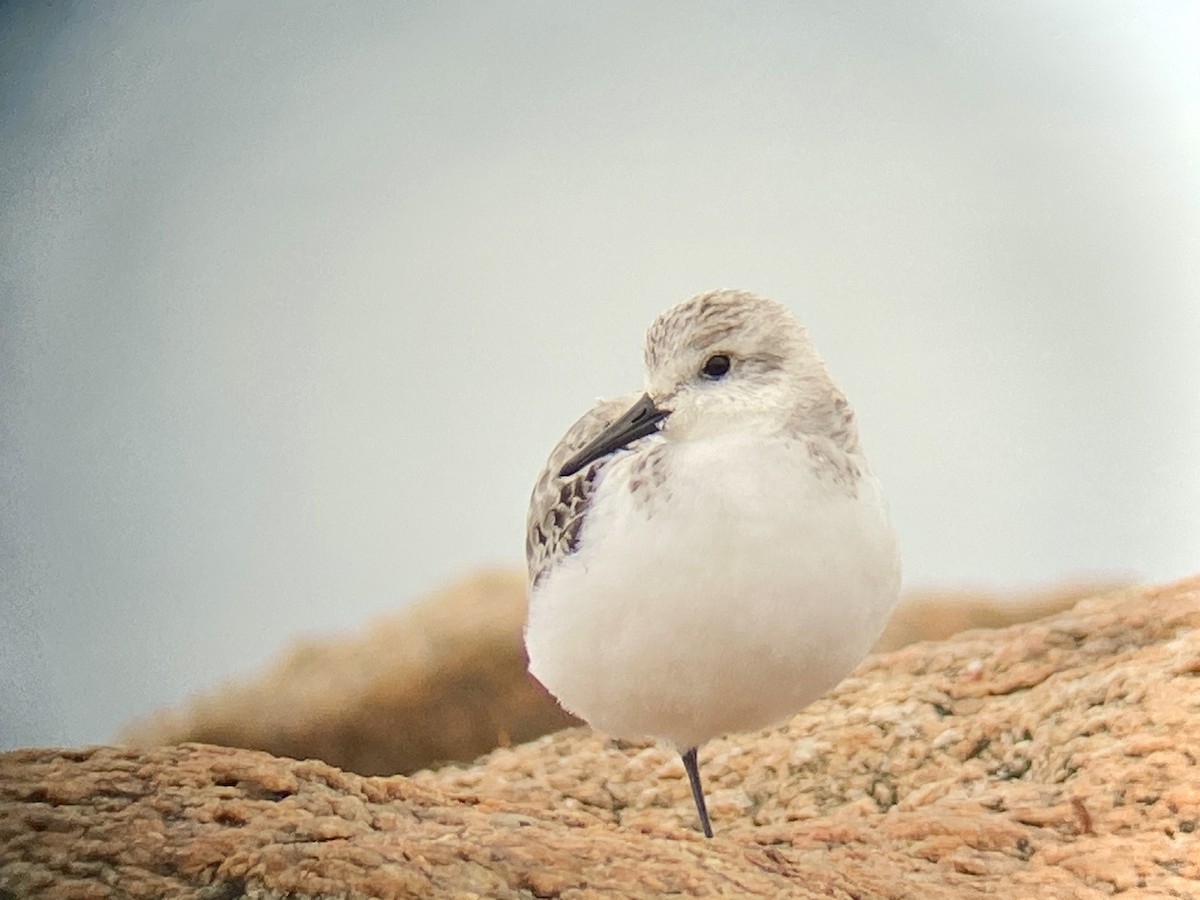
point(722, 556)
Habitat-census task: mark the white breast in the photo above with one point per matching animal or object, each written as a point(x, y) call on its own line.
point(729, 602)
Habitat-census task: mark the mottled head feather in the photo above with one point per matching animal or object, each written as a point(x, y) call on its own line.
point(775, 368)
point(706, 321)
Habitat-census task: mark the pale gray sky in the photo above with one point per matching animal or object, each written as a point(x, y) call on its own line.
point(297, 296)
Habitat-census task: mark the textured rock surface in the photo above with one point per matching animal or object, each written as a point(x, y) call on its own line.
point(1052, 759)
point(445, 680)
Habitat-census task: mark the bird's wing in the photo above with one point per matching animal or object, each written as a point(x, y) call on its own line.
point(557, 506)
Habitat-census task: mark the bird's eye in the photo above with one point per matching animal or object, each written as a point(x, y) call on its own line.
point(716, 366)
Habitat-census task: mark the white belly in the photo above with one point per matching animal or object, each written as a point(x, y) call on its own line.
point(748, 592)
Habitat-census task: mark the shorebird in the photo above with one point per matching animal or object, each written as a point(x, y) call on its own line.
point(713, 555)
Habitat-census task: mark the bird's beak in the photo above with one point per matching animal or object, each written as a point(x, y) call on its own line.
point(640, 420)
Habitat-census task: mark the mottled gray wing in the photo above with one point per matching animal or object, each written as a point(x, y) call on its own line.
point(557, 506)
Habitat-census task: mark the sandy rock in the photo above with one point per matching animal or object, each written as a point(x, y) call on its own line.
point(445, 680)
point(1052, 759)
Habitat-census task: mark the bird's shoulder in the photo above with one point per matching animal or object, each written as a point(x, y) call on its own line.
point(558, 505)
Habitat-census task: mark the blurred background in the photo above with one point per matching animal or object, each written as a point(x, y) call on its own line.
point(295, 297)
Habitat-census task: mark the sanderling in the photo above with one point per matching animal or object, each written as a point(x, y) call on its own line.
point(712, 556)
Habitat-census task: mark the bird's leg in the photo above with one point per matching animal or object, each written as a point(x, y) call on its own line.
point(693, 771)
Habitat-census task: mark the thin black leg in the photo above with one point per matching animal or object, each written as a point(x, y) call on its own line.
point(693, 770)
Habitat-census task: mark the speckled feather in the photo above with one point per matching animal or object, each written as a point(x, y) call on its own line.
point(558, 505)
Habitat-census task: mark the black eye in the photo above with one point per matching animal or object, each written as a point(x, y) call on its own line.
point(716, 366)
